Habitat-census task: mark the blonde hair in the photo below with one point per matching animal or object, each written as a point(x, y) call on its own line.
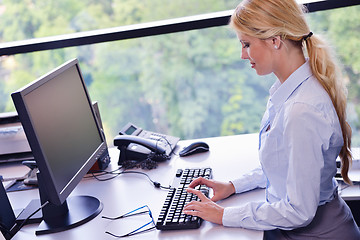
point(264, 19)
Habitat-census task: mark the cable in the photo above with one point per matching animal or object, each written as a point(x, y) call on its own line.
point(150, 162)
point(156, 184)
point(27, 219)
point(102, 173)
point(147, 163)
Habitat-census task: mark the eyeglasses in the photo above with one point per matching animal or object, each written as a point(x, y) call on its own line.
point(134, 213)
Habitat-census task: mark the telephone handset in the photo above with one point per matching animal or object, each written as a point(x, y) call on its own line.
point(137, 144)
point(126, 140)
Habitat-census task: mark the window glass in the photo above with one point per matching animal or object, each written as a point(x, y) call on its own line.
point(20, 20)
point(189, 84)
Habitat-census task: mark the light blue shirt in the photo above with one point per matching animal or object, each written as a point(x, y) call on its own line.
point(299, 141)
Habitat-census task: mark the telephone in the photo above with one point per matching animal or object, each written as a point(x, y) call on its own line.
point(137, 144)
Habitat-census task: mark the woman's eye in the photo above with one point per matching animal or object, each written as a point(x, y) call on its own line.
point(246, 45)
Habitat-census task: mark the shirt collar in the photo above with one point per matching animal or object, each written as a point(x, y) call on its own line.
point(279, 93)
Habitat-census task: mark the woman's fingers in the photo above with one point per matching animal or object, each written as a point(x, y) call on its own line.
point(200, 181)
point(205, 209)
point(198, 193)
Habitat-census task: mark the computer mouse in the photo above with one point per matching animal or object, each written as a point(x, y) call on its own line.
point(193, 148)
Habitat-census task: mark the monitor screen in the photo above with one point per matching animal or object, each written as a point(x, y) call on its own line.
point(61, 127)
point(64, 125)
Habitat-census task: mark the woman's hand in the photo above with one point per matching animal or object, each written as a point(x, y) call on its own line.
point(221, 189)
point(205, 208)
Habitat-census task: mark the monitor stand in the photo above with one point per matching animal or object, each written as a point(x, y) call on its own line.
point(74, 212)
point(78, 210)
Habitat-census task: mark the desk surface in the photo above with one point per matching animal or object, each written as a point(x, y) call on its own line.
point(229, 157)
point(130, 191)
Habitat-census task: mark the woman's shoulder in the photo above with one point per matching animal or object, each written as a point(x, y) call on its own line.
point(312, 93)
point(310, 97)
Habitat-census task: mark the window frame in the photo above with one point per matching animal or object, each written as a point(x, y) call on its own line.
point(145, 29)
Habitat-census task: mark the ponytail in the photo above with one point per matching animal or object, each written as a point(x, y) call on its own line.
point(325, 69)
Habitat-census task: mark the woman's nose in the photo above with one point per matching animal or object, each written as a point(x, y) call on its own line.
point(244, 54)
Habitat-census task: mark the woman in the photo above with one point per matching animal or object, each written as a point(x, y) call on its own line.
point(303, 131)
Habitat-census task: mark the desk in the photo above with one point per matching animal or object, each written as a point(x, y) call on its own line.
point(229, 157)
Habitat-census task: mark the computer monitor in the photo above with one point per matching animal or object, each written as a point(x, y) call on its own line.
point(66, 140)
point(7, 216)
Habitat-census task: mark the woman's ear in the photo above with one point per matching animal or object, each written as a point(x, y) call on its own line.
point(276, 42)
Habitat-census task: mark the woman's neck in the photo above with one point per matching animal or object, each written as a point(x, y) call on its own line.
point(289, 59)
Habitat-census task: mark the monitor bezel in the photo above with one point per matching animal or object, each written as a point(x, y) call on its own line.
point(56, 196)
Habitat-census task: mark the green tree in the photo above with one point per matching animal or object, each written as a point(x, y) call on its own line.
point(190, 84)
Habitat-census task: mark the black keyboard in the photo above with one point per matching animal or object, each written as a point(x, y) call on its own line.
point(171, 216)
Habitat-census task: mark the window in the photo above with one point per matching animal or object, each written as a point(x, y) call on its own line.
point(190, 84)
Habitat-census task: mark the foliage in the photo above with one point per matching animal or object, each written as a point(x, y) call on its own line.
point(190, 84)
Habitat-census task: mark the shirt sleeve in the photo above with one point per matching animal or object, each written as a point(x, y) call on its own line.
point(254, 179)
point(306, 135)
